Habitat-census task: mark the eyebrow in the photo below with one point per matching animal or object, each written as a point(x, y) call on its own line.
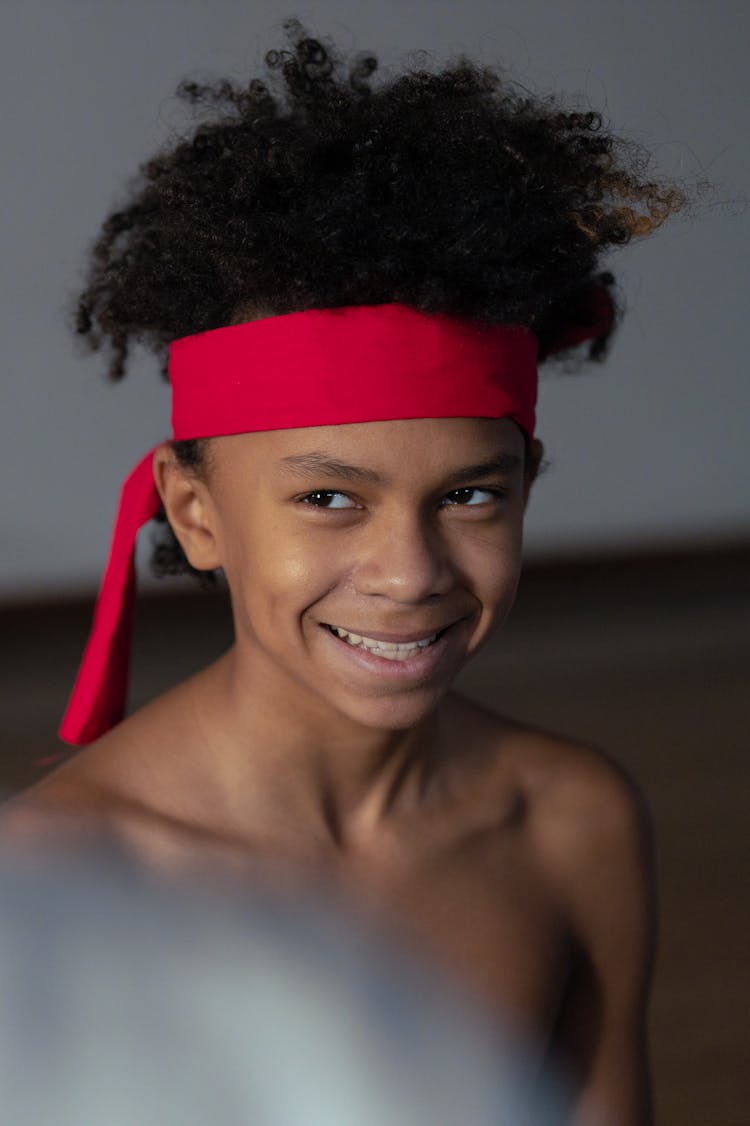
point(317, 463)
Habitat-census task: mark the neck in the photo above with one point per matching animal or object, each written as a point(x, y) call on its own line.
point(306, 770)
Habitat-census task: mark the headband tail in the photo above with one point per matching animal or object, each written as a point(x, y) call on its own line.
point(100, 692)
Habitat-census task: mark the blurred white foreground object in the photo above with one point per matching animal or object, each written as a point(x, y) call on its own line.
point(128, 1001)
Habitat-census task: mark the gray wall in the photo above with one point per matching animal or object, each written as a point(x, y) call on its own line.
point(648, 451)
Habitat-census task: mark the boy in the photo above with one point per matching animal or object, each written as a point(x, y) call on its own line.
point(355, 286)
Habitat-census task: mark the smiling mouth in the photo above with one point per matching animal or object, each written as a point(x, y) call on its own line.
point(391, 650)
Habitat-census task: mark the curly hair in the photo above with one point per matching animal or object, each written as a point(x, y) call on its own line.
point(448, 190)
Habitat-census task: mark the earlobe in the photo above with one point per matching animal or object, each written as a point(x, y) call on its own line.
point(187, 504)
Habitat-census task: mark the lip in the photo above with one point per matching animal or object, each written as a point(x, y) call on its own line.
point(420, 667)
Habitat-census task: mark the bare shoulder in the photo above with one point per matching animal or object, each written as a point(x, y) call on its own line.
point(591, 821)
point(558, 774)
point(86, 799)
point(588, 820)
point(107, 784)
point(578, 794)
point(120, 794)
point(71, 814)
point(591, 832)
point(51, 813)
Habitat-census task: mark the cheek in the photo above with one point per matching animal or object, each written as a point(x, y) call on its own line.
point(491, 559)
point(499, 589)
point(275, 576)
point(492, 569)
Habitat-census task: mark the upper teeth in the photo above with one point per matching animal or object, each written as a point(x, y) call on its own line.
point(385, 647)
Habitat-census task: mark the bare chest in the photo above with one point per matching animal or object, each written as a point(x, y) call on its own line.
point(460, 886)
point(484, 918)
point(474, 907)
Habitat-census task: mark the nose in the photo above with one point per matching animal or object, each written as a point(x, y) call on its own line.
point(404, 559)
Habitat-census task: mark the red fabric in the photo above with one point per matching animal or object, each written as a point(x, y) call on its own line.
point(99, 696)
point(354, 364)
point(315, 368)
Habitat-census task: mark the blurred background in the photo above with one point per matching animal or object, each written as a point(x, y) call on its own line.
point(631, 627)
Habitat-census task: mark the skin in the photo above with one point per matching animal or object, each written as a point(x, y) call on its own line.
point(519, 862)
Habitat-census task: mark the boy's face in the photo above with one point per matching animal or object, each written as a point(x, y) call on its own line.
point(411, 541)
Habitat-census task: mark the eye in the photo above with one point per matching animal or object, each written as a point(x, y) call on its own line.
point(322, 499)
point(464, 496)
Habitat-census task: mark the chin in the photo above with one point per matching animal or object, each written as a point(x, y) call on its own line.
point(394, 712)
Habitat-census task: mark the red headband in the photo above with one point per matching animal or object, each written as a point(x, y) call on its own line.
point(315, 368)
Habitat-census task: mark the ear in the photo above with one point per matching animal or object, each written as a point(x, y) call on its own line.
point(536, 453)
point(187, 503)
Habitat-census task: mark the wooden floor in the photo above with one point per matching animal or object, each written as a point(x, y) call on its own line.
point(649, 659)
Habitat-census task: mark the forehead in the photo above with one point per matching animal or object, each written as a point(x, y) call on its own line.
point(423, 441)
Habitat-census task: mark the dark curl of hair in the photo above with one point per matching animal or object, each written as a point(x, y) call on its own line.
point(450, 191)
